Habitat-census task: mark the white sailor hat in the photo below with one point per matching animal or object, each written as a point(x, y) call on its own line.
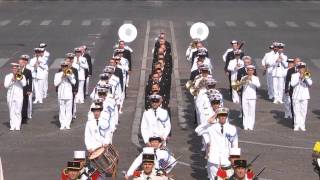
point(63, 63)
point(237, 52)
point(42, 45)
point(302, 65)
point(25, 57)
point(281, 45)
point(116, 57)
point(77, 49)
point(79, 155)
point(104, 76)
point(223, 110)
point(214, 98)
point(205, 67)
point(119, 50)
point(234, 42)
point(235, 152)
point(250, 66)
point(275, 44)
point(246, 57)
point(101, 89)
point(96, 107)
point(212, 92)
point(211, 81)
point(148, 150)
point(14, 64)
point(70, 55)
point(155, 97)
point(290, 60)
point(105, 86)
point(38, 49)
point(109, 69)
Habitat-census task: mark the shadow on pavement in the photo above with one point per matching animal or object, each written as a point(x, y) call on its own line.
point(234, 118)
point(279, 116)
point(317, 112)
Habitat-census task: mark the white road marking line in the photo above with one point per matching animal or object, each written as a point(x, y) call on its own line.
point(4, 22)
point(25, 23)
point(66, 22)
point(276, 145)
point(181, 115)
point(250, 24)
point(189, 23)
point(140, 99)
point(314, 24)
point(316, 62)
point(86, 23)
point(271, 24)
point(106, 22)
point(45, 22)
point(127, 22)
point(56, 63)
point(3, 61)
point(211, 23)
point(292, 24)
point(230, 23)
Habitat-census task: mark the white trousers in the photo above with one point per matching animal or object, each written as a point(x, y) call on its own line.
point(80, 94)
point(15, 108)
point(74, 108)
point(45, 87)
point(270, 84)
point(300, 108)
point(39, 86)
point(87, 85)
point(65, 112)
point(287, 106)
point(278, 88)
point(30, 106)
point(249, 113)
point(235, 97)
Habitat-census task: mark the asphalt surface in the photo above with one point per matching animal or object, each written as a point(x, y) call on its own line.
point(41, 150)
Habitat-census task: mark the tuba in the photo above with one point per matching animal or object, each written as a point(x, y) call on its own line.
point(199, 31)
point(127, 32)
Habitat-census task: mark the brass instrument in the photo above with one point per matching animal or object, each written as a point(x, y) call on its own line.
point(236, 85)
point(196, 85)
point(306, 74)
point(67, 72)
point(18, 76)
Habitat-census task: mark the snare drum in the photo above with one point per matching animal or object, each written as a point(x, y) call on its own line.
point(105, 159)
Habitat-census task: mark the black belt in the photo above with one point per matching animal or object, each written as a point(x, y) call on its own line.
point(226, 168)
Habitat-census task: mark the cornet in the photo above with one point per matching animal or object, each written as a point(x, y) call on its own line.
point(306, 74)
point(18, 76)
point(67, 72)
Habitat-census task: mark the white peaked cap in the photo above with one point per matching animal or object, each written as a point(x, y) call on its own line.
point(79, 155)
point(148, 150)
point(235, 152)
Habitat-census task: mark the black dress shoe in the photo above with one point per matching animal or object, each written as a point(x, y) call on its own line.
point(24, 121)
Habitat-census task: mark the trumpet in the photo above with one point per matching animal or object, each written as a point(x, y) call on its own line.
point(67, 72)
point(236, 85)
point(306, 74)
point(18, 76)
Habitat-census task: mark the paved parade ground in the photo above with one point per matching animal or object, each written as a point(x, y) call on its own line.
point(41, 150)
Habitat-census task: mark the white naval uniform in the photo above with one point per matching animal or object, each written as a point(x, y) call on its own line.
point(97, 133)
point(161, 155)
point(80, 63)
point(189, 53)
point(220, 145)
point(233, 68)
point(267, 61)
point(39, 74)
point(279, 73)
point(65, 97)
point(14, 99)
point(249, 96)
point(300, 99)
point(155, 122)
point(207, 61)
point(46, 55)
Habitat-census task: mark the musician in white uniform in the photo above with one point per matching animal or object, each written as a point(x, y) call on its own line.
point(64, 82)
point(97, 131)
point(46, 56)
point(301, 82)
point(202, 57)
point(80, 63)
point(222, 137)
point(233, 67)
point(267, 61)
point(279, 73)
point(14, 95)
point(39, 68)
point(249, 96)
point(155, 120)
point(234, 46)
point(163, 158)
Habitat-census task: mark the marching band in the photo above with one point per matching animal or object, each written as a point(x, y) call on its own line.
point(288, 82)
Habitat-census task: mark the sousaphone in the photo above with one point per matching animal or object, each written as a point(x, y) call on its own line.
point(127, 32)
point(199, 31)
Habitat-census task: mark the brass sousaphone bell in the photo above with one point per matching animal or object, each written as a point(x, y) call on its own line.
point(127, 32)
